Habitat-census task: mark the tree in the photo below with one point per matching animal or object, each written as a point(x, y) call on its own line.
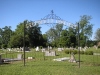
point(16, 39)
point(72, 37)
point(85, 29)
point(64, 38)
point(45, 43)
point(33, 36)
point(53, 34)
point(5, 34)
point(97, 35)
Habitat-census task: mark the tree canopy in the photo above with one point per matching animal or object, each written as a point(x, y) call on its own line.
point(97, 35)
point(55, 36)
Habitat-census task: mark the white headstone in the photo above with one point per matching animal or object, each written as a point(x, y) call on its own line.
point(30, 57)
point(59, 49)
point(37, 48)
point(48, 48)
point(19, 56)
point(43, 50)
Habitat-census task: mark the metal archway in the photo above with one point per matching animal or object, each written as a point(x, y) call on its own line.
point(52, 19)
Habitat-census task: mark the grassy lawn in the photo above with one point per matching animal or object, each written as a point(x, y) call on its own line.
point(90, 65)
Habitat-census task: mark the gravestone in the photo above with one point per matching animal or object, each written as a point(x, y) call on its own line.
point(84, 49)
point(37, 48)
point(19, 56)
point(26, 49)
point(48, 48)
point(50, 53)
point(80, 48)
point(43, 50)
point(72, 58)
point(59, 49)
point(8, 49)
point(30, 58)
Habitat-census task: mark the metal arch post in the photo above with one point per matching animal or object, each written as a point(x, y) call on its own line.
point(79, 44)
point(24, 43)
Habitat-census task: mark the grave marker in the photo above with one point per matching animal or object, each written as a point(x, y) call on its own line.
point(19, 56)
point(72, 58)
point(50, 53)
point(60, 49)
point(37, 48)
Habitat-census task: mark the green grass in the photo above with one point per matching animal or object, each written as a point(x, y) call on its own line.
point(89, 65)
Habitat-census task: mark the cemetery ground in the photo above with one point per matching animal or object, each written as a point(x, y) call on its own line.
point(44, 65)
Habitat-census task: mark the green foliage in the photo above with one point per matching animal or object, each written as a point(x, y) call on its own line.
point(75, 51)
point(89, 52)
point(81, 52)
point(71, 51)
point(56, 36)
point(41, 47)
point(53, 34)
point(33, 36)
point(98, 46)
point(5, 34)
point(97, 35)
point(4, 46)
point(67, 51)
point(85, 28)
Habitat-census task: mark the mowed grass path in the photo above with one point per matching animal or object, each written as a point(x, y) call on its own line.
point(90, 65)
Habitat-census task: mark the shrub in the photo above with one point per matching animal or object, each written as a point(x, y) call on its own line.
point(98, 46)
point(81, 52)
point(70, 51)
point(67, 51)
point(89, 52)
point(41, 47)
point(74, 51)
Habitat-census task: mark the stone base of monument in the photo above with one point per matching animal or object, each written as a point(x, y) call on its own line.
point(19, 57)
point(30, 58)
point(61, 59)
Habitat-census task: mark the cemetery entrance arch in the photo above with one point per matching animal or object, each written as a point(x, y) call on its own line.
point(50, 20)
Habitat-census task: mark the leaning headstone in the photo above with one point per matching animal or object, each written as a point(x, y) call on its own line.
point(72, 58)
point(50, 53)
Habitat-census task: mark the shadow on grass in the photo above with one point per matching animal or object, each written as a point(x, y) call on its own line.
point(4, 63)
